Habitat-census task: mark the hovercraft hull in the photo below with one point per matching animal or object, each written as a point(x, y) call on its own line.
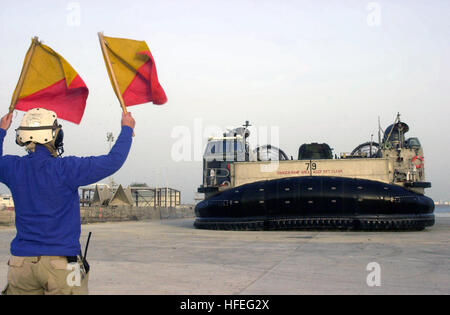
point(318, 202)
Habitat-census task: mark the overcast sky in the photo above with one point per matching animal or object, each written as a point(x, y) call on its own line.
point(320, 71)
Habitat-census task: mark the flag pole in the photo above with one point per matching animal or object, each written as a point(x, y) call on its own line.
point(23, 74)
point(111, 71)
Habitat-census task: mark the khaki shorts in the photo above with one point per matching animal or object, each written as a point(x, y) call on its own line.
point(45, 275)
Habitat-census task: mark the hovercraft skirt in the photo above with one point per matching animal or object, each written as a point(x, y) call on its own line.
point(318, 202)
point(374, 224)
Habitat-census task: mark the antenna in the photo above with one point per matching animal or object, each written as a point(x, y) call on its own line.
point(379, 131)
point(397, 119)
point(371, 141)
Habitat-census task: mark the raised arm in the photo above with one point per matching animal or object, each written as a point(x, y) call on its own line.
point(5, 123)
point(88, 170)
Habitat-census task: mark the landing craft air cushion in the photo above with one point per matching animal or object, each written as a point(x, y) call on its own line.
point(378, 186)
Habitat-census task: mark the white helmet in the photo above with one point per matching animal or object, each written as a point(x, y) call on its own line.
point(40, 125)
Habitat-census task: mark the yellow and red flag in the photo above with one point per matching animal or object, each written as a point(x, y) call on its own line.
point(50, 82)
point(134, 70)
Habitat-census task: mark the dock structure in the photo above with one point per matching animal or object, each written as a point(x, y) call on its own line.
point(136, 196)
point(101, 196)
point(155, 197)
point(121, 197)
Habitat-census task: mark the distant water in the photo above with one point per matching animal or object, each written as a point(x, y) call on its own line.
point(442, 211)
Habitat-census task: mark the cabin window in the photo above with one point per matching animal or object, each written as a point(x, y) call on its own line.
point(230, 146)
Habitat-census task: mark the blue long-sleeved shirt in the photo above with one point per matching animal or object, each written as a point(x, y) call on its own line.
point(45, 193)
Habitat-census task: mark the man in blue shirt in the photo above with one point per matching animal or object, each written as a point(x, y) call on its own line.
point(44, 187)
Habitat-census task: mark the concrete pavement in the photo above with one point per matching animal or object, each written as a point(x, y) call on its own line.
point(171, 257)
